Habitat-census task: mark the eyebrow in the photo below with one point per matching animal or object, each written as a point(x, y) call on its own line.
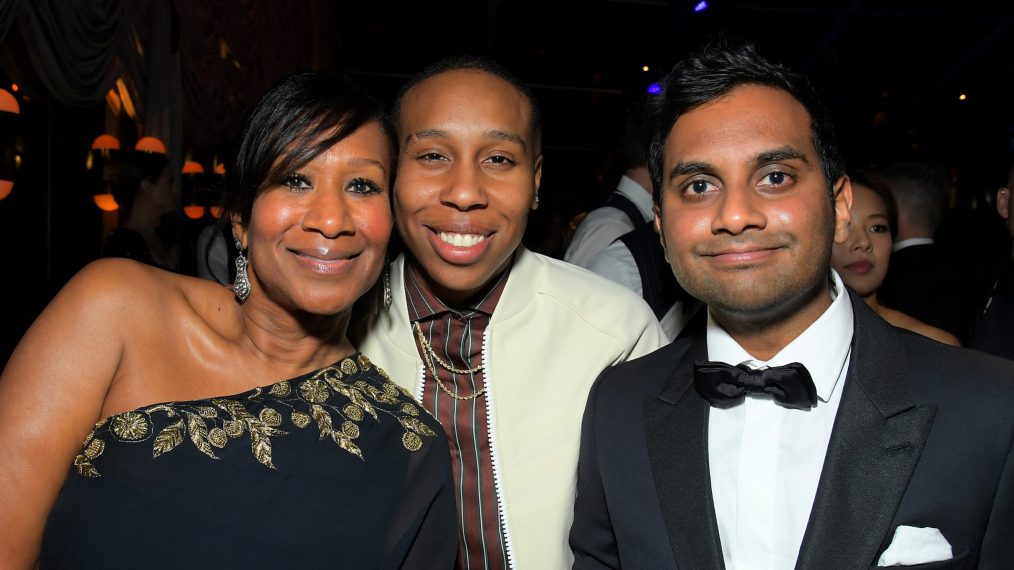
point(775, 155)
point(490, 134)
point(360, 161)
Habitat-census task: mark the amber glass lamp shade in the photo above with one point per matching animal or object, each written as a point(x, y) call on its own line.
point(8, 103)
point(5, 188)
point(194, 211)
point(106, 142)
point(106, 202)
point(150, 144)
point(192, 167)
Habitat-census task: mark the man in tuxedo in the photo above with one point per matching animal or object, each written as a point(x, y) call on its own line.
point(795, 428)
point(922, 279)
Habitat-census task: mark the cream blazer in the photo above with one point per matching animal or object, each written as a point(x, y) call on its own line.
point(555, 328)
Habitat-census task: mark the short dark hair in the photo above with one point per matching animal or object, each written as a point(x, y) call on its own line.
point(137, 167)
point(713, 72)
point(474, 63)
point(920, 189)
point(294, 122)
point(874, 182)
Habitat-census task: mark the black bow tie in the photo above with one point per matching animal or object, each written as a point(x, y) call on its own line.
point(725, 385)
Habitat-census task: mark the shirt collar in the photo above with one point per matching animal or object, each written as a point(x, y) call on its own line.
point(823, 348)
point(898, 245)
point(637, 194)
point(424, 303)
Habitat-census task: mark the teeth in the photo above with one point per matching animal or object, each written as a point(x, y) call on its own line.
point(461, 240)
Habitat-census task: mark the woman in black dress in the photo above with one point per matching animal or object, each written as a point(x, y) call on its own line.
point(236, 428)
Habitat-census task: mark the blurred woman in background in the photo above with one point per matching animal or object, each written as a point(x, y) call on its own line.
point(862, 260)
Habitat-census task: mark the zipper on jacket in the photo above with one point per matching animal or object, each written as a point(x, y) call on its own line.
point(493, 453)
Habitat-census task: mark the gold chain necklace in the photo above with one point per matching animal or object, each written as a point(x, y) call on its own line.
point(431, 355)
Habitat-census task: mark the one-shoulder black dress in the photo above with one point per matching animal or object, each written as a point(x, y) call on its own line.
point(338, 468)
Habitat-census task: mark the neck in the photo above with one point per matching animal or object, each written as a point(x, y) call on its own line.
point(640, 175)
point(763, 334)
point(143, 218)
point(293, 342)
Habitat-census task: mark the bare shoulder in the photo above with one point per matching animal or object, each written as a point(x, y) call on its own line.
point(904, 321)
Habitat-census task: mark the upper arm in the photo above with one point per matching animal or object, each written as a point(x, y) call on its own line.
point(51, 393)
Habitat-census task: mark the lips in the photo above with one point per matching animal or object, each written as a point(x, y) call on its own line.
point(861, 267)
point(323, 260)
point(461, 244)
point(460, 240)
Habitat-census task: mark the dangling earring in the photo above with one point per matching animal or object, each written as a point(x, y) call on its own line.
point(388, 297)
point(241, 287)
point(536, 197)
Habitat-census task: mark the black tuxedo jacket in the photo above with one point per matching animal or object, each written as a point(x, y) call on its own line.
point(922, 282)
point(923, 437)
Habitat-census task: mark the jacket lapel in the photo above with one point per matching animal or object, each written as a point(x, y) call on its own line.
point(676, 430)
point(877, 439)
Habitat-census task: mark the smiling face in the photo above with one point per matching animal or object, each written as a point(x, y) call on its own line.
point(467, 177)
point(317, 237)
point(862, 259)
point(745, 214)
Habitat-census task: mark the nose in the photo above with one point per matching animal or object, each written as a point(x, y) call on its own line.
point(464, 190)
point(326, 213)
point(738, 211)
point(860, 239)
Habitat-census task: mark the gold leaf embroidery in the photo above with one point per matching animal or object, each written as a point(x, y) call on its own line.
point(199, 434)
point(260, 443)
point(84, 467)
point(347, 444)
point(281, 389)
point(130, 426)
point(353, 412)
point(348, 366)
point(323, 420)
point(168, 438)
point(411, 441)
point(233, 428)
point(417, 426)
point(95, 448)
point(350, 429)
point(314, 391)
point(161, 408)
point(383, 373)
point(358, 399)
point(300, 419)
point(207, 412)
point(217, 437)
point(234, 418)
point(271, 417)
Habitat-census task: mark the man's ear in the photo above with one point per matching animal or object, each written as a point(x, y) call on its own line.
point(842, 191)
point(661, 234)
point(538, 181)
point(238, 231)
point(1003, 202)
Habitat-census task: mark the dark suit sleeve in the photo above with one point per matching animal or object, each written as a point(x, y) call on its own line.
point(591, 536)
point(998, 541)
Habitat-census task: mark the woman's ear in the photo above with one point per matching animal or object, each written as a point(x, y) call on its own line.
point(238, 231)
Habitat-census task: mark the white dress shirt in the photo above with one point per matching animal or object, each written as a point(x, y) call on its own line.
point(899, 245)
point(603, 225)
point(765, 459)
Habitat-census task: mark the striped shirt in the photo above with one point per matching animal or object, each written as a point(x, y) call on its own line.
point(456, 337)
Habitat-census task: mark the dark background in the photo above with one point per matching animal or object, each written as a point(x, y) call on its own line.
point(891, 71)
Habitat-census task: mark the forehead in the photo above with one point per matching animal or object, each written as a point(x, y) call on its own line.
point(465, 101)
point(735, 127)
point(866, 200)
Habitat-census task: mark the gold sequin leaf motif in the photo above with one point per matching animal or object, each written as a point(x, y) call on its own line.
point(334, 399)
